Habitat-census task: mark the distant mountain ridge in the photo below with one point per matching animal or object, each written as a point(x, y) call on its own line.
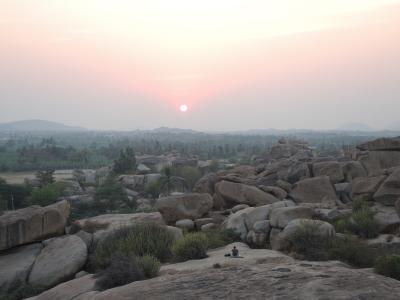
point(37, 125)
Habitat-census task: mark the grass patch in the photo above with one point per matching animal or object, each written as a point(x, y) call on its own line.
point(388, 265)
point(139, 240)
point(220, 238)
point(191, 246)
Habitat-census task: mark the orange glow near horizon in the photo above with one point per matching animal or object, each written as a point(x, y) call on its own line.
point(186, 49)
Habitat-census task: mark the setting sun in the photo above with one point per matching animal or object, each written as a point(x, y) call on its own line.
point(183, 108)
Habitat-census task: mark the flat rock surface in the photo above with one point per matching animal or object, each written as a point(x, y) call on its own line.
point(278, 281)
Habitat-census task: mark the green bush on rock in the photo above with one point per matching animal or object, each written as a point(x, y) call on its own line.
point(388, 265)
point(191, 246)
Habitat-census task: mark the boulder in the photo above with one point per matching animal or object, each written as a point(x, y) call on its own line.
point(386, 218)
point(296, 172)
point(385, 244)
point(282, 240)
point(332, 169)
point(209, 226)
point(389, 191)
point(243, 220)
point(313, 190)
point(262, 226)
point(206, 184)
point(381, 144)
point(268, 275)
point(243, 194)
point(279, 151)
point(282, 216)
point(276, 191)
point(363, 188)
point(71, 289)
point(203, 221)
point(238, 207)
point(102, 225)
point(176, 232)
point(59, 261)
point(15, 265)
point(343, 191)
point(352, 170)
point(32, 224)
point(138, 182)
point(185, 206)
point(257, 239)
point(397, 207)
point(331, 214)
point(185, 224)
point(375, 161)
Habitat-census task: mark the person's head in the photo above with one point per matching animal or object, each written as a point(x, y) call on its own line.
point(234, 247)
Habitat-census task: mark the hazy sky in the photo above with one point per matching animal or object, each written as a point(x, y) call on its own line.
point(126, 64)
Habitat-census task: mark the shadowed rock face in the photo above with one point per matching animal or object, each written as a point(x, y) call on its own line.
point(279, 281)
point(32, 224)
point(381, 144)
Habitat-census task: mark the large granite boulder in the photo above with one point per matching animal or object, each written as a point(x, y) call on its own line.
point(237, 193)
point(389, 191)
point(102, 225)
point(271, 277)
point(138, 182)
point(32, 224)
point(313, 190)
point(363, 188)
point(386, 218)
point(206, 184)
point(283, 240)
point(376, 161)
point(184, 206)
point(353, 169)
point(59, 261)
point(332, 169)
point(381, 144)
point(243, 221)
point(70, 290)
point(15, 265)
point(281, 217)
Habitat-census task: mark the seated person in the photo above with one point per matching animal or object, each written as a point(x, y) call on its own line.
point(235, 252)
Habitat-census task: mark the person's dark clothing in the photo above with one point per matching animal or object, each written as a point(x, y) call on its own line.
point(235, 252)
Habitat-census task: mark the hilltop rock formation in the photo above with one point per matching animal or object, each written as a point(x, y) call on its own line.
point(32, 224)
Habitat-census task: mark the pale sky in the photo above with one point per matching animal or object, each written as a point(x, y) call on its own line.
point(244, 64)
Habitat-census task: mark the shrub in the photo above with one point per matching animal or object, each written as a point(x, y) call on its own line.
point(309, 244)
point(20, 291)
point(191, 246)
point(149, 265)
point(219, 238)
point(360, 205)
point(109, 194)
point(353, 251)
point(121, 271)
point(361, 222)
point(46, 195)
point(139, 240)
point(366, 227)
point(388, 265)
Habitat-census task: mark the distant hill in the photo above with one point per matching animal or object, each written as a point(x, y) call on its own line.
point(37, 125)
point(355, 127)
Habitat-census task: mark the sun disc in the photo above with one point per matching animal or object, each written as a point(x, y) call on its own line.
point(183, 108)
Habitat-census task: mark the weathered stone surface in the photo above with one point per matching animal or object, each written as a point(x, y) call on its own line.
point(282, 240)
point(363, 188)
point(238, 207)
point(276, 191)
point(243, 194)
point(176, 232)
point(297, 171)
point(203, 221)
point(101, 225)
point(60, 260)
point(331, 214)
point(385, 244)
point(206, 184)
point(343, 191)
point(313, 190)
point(279, 151)
point(70, 290)
point(262, 226)
point(332, 169)
point(280, 217)
point(386, 218)
point(375, 161)
point(15, 265)
point(352, 170)
point(265, 280)
point(185, 224)
point(384, 144)
point(389, 191)
point(244, 220)
point(138, 182)
point(32, 224)
point(397, 207)
point(185, 206)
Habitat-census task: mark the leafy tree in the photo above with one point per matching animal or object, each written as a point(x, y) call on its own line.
point(46, 195)
point(45, 177)
point(12, 196)
point(126, 162)
point(109, 194)
point(168, 181)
